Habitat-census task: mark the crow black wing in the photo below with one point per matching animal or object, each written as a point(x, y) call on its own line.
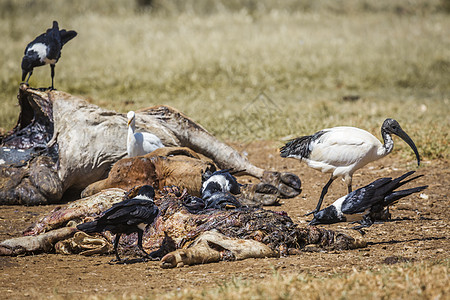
point(143, 214)
point(363, 198)
point(132, 211)
point(40, 39)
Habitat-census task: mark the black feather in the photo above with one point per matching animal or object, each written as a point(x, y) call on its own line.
point(126, 216)
point(300, 146)
point(369, 200)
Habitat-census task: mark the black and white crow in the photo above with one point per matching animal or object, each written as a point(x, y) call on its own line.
point(126, 217)
point(45, 49)
point(360, 205)
point(219, 181)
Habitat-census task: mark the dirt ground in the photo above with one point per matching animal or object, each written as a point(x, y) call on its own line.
point(419, 231)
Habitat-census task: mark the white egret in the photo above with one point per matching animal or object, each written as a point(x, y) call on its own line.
point(140, 143)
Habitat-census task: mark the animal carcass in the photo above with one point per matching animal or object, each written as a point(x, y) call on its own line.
point(181, 236)
point(72, 143)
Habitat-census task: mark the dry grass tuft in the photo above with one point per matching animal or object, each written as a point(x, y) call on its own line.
point(423, 280)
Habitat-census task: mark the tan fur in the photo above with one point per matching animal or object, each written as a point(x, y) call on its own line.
point(166, 166)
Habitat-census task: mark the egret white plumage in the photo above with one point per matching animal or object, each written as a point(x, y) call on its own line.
point(362, 204)
point(140, 143)
point(343, 150)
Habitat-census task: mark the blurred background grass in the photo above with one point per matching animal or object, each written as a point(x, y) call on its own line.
point(249, 70)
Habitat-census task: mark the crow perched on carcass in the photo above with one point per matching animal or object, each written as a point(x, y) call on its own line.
point(362, 204)
point(126, 217)
point(45, 49)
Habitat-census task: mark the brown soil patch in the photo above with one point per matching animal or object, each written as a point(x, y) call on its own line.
point(418, 232)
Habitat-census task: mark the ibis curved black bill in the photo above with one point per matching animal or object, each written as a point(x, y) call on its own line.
point(404, 136)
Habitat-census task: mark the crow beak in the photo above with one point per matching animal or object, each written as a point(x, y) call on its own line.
point(409, 141)
point(24, 75)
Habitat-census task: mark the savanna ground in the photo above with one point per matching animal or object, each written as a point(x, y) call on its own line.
point(255, 74)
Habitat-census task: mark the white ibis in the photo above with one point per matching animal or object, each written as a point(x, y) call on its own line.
point(360, 205)
point(126, 217)
point(45, 49)
point(343, 150)
point(140, 143)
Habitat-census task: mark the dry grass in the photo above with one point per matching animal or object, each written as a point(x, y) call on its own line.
point(420, 280)
point(305, 58)
point(408, 281)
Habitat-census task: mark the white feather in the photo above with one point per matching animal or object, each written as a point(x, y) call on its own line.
point(342, 150)
point(338, 205)
point(41, 50)
point(140, 143)
point(221, 180)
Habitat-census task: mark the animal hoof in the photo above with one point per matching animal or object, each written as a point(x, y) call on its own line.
point(265, 188)
point(170, 261)
point(288, 192)
point(255, 195)
point(288, 184)
point(291, 180)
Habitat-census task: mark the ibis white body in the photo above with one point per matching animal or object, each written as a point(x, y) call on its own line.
point(343, 150)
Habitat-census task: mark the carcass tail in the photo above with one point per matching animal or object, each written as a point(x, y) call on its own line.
point(395, 196)
point(91, 227)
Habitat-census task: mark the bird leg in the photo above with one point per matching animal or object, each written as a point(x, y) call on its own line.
point(52, 72)
point(322, 195)
point(365, 222)
point(29, 75)
point(139, 244)
point(349, 188)
point(116, 243)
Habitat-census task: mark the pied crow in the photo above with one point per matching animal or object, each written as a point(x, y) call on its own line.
point(45, 49)
point(219, 181)
point(360, 205)
point(126, 217)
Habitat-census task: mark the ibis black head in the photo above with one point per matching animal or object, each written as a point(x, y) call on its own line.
point(146, 191)
point(393, 127)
